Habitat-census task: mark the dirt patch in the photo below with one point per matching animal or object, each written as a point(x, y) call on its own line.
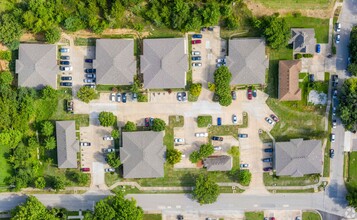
point(32, 37)
point(119, 31)
point(259, 10)
point(4, 65)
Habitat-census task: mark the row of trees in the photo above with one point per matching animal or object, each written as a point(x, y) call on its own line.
point(352, 67)
point(222, 78)
point(348, 104)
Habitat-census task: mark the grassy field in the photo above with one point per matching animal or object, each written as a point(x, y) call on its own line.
point(296, 4)
point(293, 191)
point(352, 169)
point(254, 215)
point(326, 172)
point(152, 217)
point(272, 180)
point(4, 165)
point(310, 216)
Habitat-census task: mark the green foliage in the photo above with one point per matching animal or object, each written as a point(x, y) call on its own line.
point(195, 89)
point(115, 134)
point(232, 22)
point(5, 55)
point(352, 197)
point(173, 156)
point(130, 126)
point(86, 94)
point(117, 207)
point(142, 97)
point(113, 160)
point(234, 151)
point(348, 110)
point(6, 78)
point(49, 93)
point(195, 157)
point(353, 45)
point(206, 150)
point(352, 68)
point(222, 79)
point(211, 86)
point(10, 137)
point(40, 183)
point(47, 128)
point(50, 143)
point(10, 30)
point(275, 30)
point(308, 55)
point(74, 23)
point(53, 35)
point(58, 183)
point(32, 209)
point(158, 124)
point(245, 176)
point(206, 190)
point(298, 56)
point(78, 177)
point(204, 120)
point(106, 119)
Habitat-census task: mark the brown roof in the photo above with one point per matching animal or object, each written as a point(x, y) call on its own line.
point(289, 80)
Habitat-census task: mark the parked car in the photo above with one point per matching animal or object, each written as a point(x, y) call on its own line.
point(108, 138)
point(197, 36)
point(112, 97)
point(333, 137)
point(196, 41)
point(90, 85)
point(219, 121)
point(179, 96)
point(196, 64)
point(234, 119)
point(66, 78)
point(243, 135)
point(196, 53)
point(118, 97)
point(318, 48)
point(65, 84)
point(266, 169)
point(64, 62)
point(196, 58)
point(249, 94)
point(338, 27)
point(217, 148)
point(147, 122)
point(220, 64)
point(90, 70)
point(333, 111)
point(268, 150)
point(151, 121)
point(88, 60)
point(210, 28)
point(267, 119)
point(216, 138)
point(184, 96)
point(85, 169)
point(334, 78)
point(338, 38)
point(179, 217)
point(334, 123)
point(64, 50)
point(254, 93)
point(64, 57)
point(134, 96)
point(201, 134)
point(179, 140)
point(274, 117)
point(107, 170)
point(332, 153)
point(90, 75)
point(70, 105)
point(108, 150)
point(221, 60)
point(66, 68)
point(269, 159)
point(244, 165)
point(334, 93)
point(234, 95)
point(123, 97)
point(84, 144)
point(311, 77)
point(89, 80)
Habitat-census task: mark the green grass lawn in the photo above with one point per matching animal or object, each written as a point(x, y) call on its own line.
point(310, 216)
point(152, 217)
point(321, 26)
point(4, 165)
point(174, 121)
point(352, 169)
point(254, 215)
point(272, 180)
point(297, 4)
point(326, 171)
point(293, 191)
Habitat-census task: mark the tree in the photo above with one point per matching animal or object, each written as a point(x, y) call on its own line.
point(47, 128)
point(32, 209)
point(173, 156)
point(142, 97)
point(206, 150)
point(78, 177)
point(234, 151)
point(245, 177)
point(86, 94)
point(275, 30)
point(206, 190)
point(195, 157)
point(130, 126)
point(352, 196)
point(347, 106)
point(117, 207)
point(113, 160)
point(352, 68)
point(6, 78)
point(222, 79)
point(58, 183)
point(158, 125)
point(195, 89)
point(106, 119)
point(10, 30)
point(204, 120)
point(115, 134)
point(49, 93)
point(225, 100)
point(74, 23)
point(50, 143)
point(53, 35)
point(40, 182)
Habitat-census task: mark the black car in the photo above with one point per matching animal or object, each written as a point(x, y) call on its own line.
point(311, 77)
point(210, 28)
point(123, 96)
point(196, 58)
point(332, 153)
point(180, 217)
point(151, 122)
point(268, 159)
point(267, 169)
point(64, 57)
point(184, 96)
point(65, 84)
point(215, 138)
point(234, 95)
point(90, 70)
point(63, 62)
point(66, 78)
point(268, 150)
point(88, 60)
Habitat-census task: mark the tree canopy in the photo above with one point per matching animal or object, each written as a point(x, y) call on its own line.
point(86, 94)
point(106, 119)
point(275, 30)
point(222, 79)
point(113, 159)
point(158, 124)
point(130, 126)
point(195, 89)
point(32, 209)
point(173, 156)
point(348, 104)
point(352, 68)
point(204, 151)
point(206, 190)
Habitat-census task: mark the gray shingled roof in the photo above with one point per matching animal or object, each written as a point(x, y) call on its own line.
point(247, 61)
point(67, 145)
point(115, 61)
point(303, 40)
point(164, 63)
point(143, 154)
point(37, 65)
point(218, 163)
point(298, 157)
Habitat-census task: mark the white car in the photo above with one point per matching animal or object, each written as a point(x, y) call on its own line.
point(118, 97)
point(196, 53)
point(234, 119)
point(196, 64)
point(85, 144)
point(267, 119)
point(112, 97)
point(221, 60)
point(108, 138)
point(201, 134)
point(217, 148)
point(179, 140)
point(108, 150)
point(333, 137)
point(107, 170)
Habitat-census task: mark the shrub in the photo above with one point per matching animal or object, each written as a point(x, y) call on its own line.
point(307, 55)
point(298, 56)
point(158, 125)
point(113, 159)
point(115, 134)
point(195, 157)
point(142, 97)
point(234, 151)
point(245, 177)
point(204, 121)
point(86, 94)
point(173, 156)
point(106, 119)
point(5, 55)
point(195, 89)
point(130, 126)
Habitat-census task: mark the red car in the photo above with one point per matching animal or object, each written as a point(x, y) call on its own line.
point(274, 117)
point(147, 122)
point(250, 94)
point(196, 41)
point(85, 169)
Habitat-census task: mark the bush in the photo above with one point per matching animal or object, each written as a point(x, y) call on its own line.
point(204, 121)
point(78, 177)
point(6, 78)
point(173, 156)
point(195, 89)
point(222, 79)
point(40, 183)
point(5, 55)
point(298, 56)
point(195, 157)
point(234, 151)
point(58, 182)
point(130, 126)
point(115, 134)
point(50, 143)
point(53, 35)
point(142, 97)
point(113, 160)
point(86, 94)
point(206, 190)
point(47, 128)
point(106, 119)
point(206, 150)
point(307, 55)
point(158, 125)
point(245, 177)
point(211, 86)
